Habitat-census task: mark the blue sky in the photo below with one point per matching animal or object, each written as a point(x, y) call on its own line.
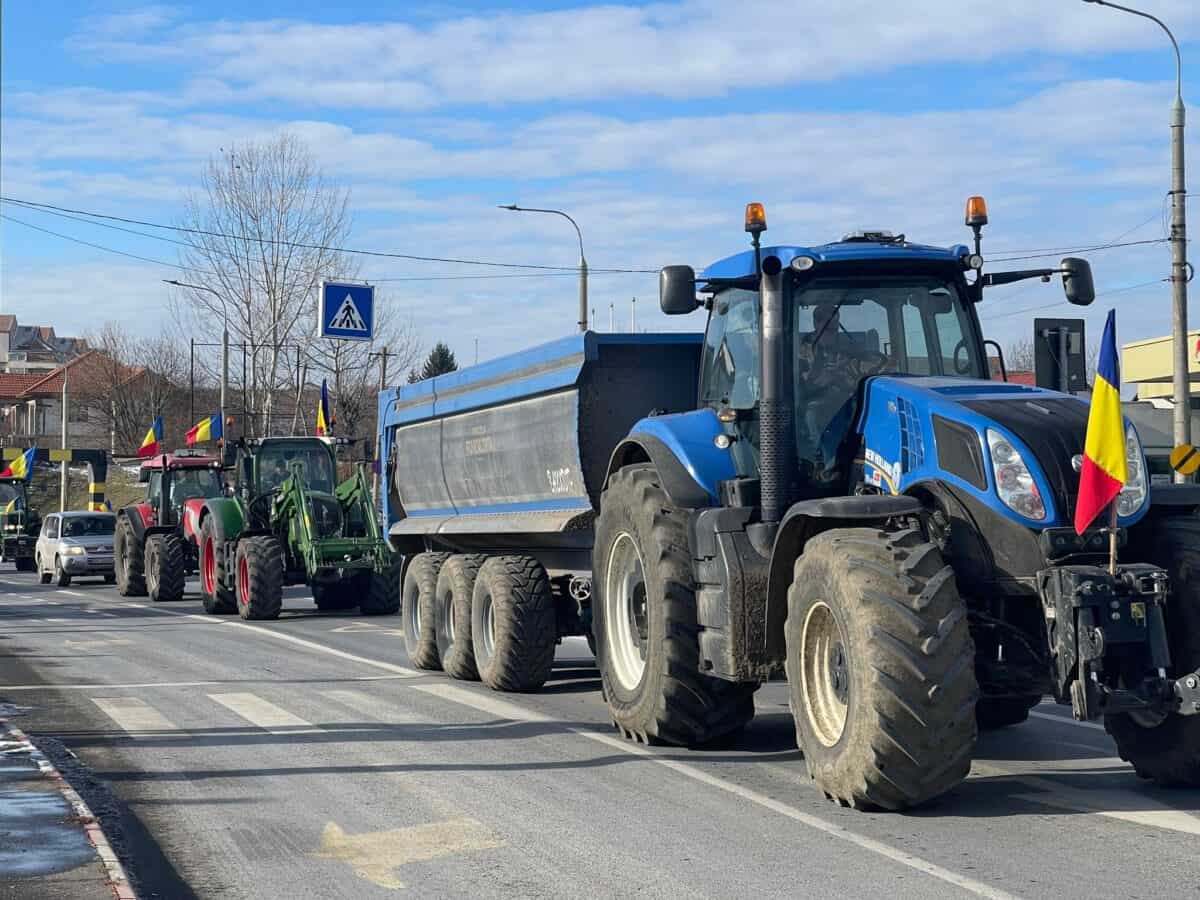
point(652, 123)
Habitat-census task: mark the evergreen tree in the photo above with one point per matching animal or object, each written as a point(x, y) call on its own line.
point(440, 361)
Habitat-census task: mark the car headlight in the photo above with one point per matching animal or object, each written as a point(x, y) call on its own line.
point(1014, 481)
point(1133, 495)
point(73, 551)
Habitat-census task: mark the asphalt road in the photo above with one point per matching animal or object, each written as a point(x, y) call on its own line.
point(303, 758)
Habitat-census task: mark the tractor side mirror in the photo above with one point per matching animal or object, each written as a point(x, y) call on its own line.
point(229, 455)
point(1077, 281)
point(677, 290)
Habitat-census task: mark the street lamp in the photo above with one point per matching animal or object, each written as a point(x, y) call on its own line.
point(1179, 264)
point(224, 342)
point(583, 270)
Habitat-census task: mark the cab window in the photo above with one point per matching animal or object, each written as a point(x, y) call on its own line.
point(730, 367)
point(50, 528)
point(154, 492)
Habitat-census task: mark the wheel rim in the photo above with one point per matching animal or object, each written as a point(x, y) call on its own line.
point(625, 611)
point(489, 626)
point(450, 620)
point(244, 581)
point(824, 673)
point(209, 567)
point(152, 570)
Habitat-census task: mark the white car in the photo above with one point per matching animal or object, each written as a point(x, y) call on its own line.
point(75, 544)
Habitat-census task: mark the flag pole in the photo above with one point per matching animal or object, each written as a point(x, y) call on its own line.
point(1112, 538)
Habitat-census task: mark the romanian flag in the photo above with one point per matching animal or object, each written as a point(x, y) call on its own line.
point(1104, 470)
point(323, 411)
point(153, 440)
point(21, 467)
point(207, 429)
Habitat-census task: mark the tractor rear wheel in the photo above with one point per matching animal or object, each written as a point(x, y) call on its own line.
point(1168, 751)
point(880, 668)
point(165, 562)
point(513, 626)
point(259, 577)
point(647, 640)
point(129, 560)
point(334, 595)
point(379, 594)
point(216, 597)
point(24, 563)
point(420, 580)
point(452, 611)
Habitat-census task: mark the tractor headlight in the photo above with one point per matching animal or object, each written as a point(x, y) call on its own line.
point(1133, 495)
point(1014, 481)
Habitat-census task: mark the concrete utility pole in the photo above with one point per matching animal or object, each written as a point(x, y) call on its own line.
point(62, 466)
point(1180, 381)
point(583, 267)
point(224, 344)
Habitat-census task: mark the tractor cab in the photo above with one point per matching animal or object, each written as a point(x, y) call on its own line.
point(174, 478)
point(266, 465)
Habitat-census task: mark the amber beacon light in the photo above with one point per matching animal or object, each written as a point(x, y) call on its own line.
point(976, 211)
point(756, 218)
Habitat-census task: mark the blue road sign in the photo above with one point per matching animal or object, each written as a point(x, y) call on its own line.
point(347, 311)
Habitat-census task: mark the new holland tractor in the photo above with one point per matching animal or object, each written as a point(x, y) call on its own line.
point(156, 544)
point(289, 522)
point(826, 486)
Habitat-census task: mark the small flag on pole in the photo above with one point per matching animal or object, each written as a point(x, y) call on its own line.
point(1105, 469)
point(21, 467)
point(207, 429)
point(323, 410)
point(152, 441)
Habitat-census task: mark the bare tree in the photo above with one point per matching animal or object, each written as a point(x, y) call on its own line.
point(265, 222)
point(1019, 355)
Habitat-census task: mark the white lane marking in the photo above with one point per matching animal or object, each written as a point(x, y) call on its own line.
point(1125, 805)
point(107, 687)
point(264, 713)
point(506, 710)
point(71, 593)
point(135, 715)
point(56, 621)
point(377, 709)
point(1063, 720)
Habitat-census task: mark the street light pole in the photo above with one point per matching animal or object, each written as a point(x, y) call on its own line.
point(224, 343)
point(1180, 380)
point(583, 267)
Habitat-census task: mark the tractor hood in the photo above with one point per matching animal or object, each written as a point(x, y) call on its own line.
point(919, 429)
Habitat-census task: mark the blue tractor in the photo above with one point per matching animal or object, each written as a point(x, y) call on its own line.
point(849, 501)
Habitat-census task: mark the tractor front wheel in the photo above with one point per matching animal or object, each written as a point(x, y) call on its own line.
point(379, 594)
point(165, 562)
point(216, 597)
point(1167, 750)
point(334, 595)
point(259, 578)
point(880, 668)
point(129, 559)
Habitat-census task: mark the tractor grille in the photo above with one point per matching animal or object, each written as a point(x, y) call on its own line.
point(912, 441)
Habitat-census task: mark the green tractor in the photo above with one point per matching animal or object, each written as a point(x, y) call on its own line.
point(19, 525)
point(289, 522)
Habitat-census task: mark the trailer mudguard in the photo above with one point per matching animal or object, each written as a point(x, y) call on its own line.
point(226, 515)
point(681, 449)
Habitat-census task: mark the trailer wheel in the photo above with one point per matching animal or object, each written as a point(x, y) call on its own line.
point(420, 580)
point(334, 595)
point(452, 615)
point(513, 626)
point(380, 592)
point(165, 563)
point(1168, 751)
point(130, 560)
point(216, 597)
point(259, 577)
point(1001, 712)
point(644, 622)
point(880, 668)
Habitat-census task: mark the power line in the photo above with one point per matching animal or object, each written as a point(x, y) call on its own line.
point(1028, 309)
point(1092, 249)
point(321, 247)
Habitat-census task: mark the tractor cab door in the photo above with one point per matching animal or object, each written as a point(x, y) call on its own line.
point(730, 369)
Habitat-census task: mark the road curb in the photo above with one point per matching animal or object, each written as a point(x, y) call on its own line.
point(118, 880)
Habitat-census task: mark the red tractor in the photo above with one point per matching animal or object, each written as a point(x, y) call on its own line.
point(155, 547)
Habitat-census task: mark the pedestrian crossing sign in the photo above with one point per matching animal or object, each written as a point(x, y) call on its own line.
point(347, 311)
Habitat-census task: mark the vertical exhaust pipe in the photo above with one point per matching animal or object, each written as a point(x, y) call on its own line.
point(776, 434)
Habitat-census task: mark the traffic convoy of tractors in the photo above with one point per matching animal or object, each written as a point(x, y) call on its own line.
point(825, 486)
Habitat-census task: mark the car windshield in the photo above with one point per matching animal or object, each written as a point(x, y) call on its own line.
point(187, 484)
point(275, 462)
point(87, 526)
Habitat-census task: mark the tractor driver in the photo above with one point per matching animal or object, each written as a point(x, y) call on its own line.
point(277, 475)
point(828, 374)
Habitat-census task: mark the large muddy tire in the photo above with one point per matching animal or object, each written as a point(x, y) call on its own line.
point(24, 563)
point(1001, 712)
point(259, 578)
point(1169, 752)
point(647, 640)
point(452, 611)
point(335, 595)
point(129, 560)
point(880, 668)
point(420, 634)
point(214, 595)
point(379, 592)
point(166, 561)
point(513, 626)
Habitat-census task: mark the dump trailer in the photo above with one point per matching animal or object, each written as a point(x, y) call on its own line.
point(833, 492)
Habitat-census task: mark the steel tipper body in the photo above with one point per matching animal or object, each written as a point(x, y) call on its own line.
point(290, 522)
point(892, 530)
point(157, 540)
point(497, 471)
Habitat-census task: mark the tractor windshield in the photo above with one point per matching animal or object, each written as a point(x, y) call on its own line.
point(189, 484)
point(845, 329)
point(276, 460)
